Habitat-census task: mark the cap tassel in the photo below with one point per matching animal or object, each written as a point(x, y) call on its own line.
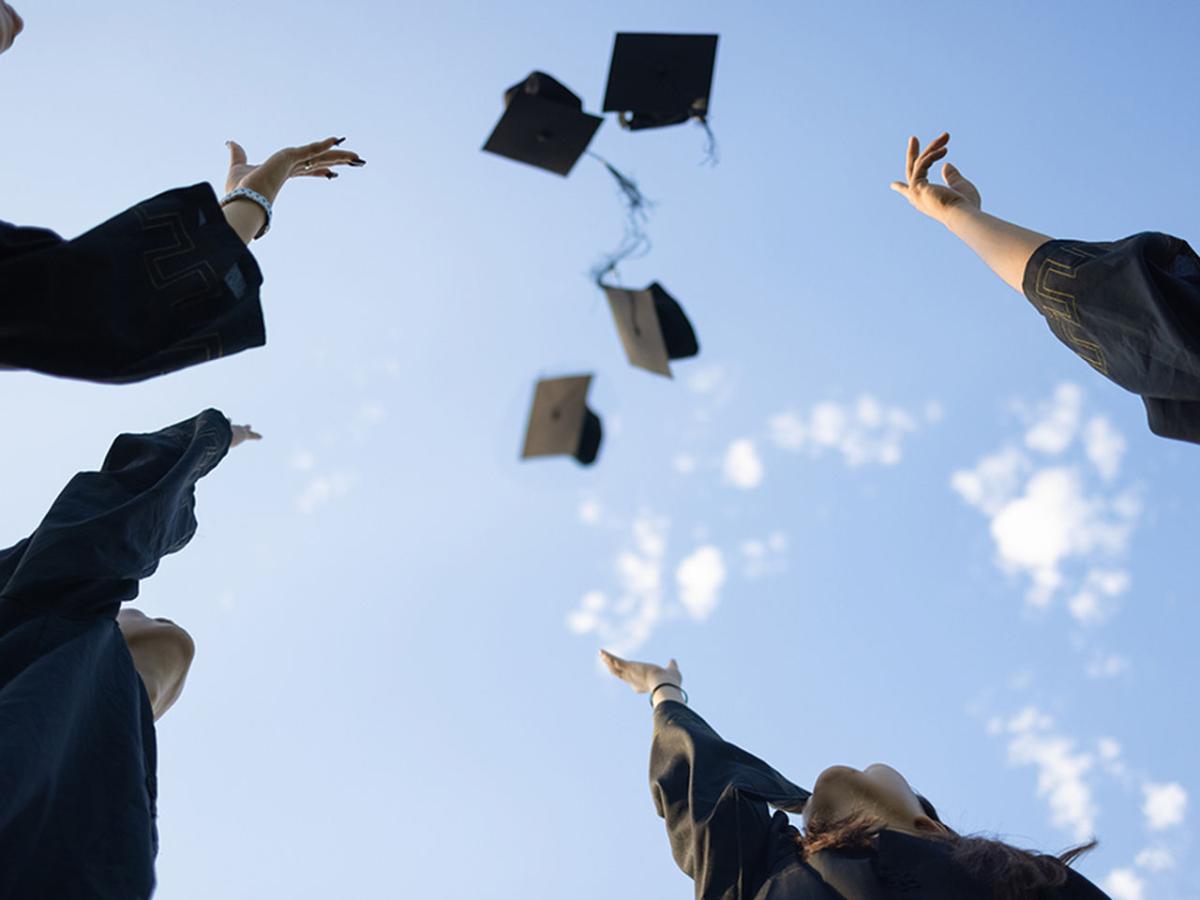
point(711, 156)
point(635, 241)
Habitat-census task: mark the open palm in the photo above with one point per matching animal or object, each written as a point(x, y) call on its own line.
point(934, 200)
point(267, 178)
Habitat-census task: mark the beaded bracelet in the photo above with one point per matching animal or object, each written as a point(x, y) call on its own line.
point(256, 197)
point(668, 684)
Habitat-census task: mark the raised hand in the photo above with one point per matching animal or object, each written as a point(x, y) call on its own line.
point(11, 24)
point(243, 433)
point(934, 200)
point(641, 676)
point(267, 178)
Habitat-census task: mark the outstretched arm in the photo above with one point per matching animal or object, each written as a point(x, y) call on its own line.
point(1005, 247)
point(712, 794)
point(314, 160)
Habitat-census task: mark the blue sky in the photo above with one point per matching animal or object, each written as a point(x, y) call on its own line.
point(884, 516)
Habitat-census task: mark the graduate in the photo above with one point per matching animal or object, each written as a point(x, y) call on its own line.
point(167, 284)
point(866, 835)
point(82, 680)
point(1129, 308)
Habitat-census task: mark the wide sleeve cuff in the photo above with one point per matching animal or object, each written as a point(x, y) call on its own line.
point(110, 528)
point(164, 285)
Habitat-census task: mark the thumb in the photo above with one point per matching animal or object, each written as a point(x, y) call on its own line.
point(950, 173)
point(237, 156)
point(673, 666)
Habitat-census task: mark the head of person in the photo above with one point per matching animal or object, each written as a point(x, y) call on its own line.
point(162, 654)
point(848, 808)
point(11, 24)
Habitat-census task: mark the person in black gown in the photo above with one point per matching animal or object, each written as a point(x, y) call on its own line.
point(169, 283)
point(867, 835)
point(1129, 308)
point(83, 680)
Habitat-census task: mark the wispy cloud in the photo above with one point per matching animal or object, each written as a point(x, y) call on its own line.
point(764, 556)
point(1062, 768)
point(625, 617)
point(863, 432)
point(322, 489)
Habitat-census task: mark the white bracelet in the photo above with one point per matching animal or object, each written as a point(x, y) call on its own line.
point(257, 198)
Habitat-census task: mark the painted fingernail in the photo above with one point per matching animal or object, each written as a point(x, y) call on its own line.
point(331, 174)
point(358, 162)
point(339, 141)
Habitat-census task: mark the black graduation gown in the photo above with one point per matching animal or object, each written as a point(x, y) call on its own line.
point(164, 285)
point(1131, 310)
point(714, 798)
point(77, 745)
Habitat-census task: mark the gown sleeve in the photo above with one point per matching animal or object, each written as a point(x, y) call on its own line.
point(1131, 310)
point(109, 529)
point(714, 797)
point(164, 285)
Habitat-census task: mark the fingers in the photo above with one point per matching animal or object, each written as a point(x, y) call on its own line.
point(237, 156)
point(927, 159)
point(899, 187)
point(910, 157)
point(304, 171)
point(951, 175)
point(936, 149)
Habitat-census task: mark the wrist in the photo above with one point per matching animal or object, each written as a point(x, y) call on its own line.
point(667, 690)
point(957, 215)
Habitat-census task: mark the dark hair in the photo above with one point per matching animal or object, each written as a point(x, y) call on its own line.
point(1012, 873)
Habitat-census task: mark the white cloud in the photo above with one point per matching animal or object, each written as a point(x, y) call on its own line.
point(764, 556)
point(993, 482)
point(1165, 804)
point(1109, 748)
point(302, 461)
point(322, 489)
point(1061, 769)
point(589, 512)
point(684, 464)
point(1094, 601)
point(862, 432)
point(1057, 422)
point(1104, 446)
point(623, 624)
point(700, 577)
point(1048, 521)
point(1107, 666)
point(743, 467)
point(1155, 859)
point(1124, 884)
point(708, 380)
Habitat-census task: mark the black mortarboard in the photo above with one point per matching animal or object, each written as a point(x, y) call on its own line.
point(652, 326)
point(660, 79)
point(543, 124)
point(560, 423)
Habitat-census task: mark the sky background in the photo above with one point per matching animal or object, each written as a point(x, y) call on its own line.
point(884, 515)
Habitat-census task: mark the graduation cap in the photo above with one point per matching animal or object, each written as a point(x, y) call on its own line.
point(560, 423)
point(660, 79)
point(652, 326)
point(543, 125)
